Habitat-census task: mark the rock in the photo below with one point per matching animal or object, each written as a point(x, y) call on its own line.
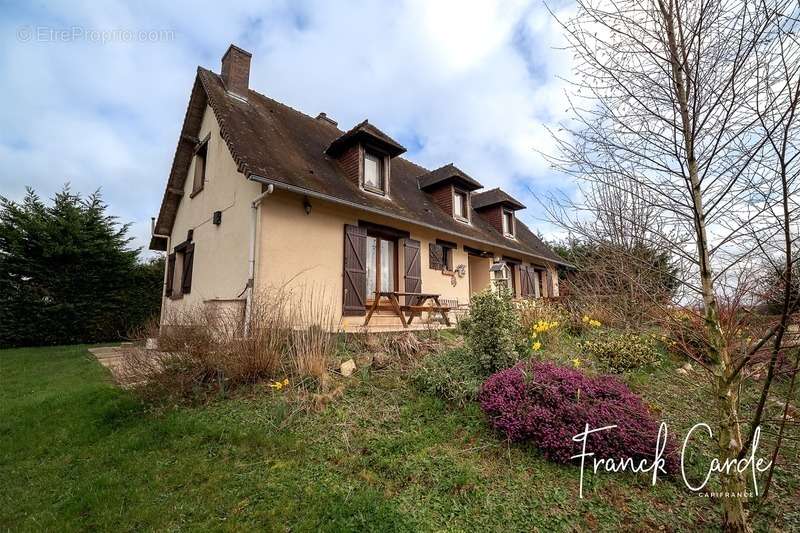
point(380, 360)
point(347, 368)
point(151, 344)
point(687, 366)
point(682, 371)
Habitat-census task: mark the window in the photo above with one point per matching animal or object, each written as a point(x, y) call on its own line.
point(460, 205)
point(381, 265)
point(200, 157)
point(440, 257)
point(508, 223)
point(179, 270)
point(373, 172)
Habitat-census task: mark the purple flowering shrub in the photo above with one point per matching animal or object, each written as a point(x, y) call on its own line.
point(548, 404)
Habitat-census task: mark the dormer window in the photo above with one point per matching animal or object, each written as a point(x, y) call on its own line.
point(364, 154)
point(450, 189)
point(460, 205)
point(508, 223)
point(374, 172)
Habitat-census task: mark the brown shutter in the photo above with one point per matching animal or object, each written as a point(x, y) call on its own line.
point(412, 268)
point(355, 270)
point(170, 273)
point(188, 262)
point(435, 256)
point(523, 281)
point(545, 283)
point(530, 277)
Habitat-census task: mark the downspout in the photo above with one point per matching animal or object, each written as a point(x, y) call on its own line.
point(251, 267)
point(164, 280)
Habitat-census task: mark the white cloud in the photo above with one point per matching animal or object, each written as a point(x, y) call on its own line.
point(471, 83)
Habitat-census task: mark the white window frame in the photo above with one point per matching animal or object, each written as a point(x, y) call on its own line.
point(510, 232)
point(383, 169)
point(466, 205)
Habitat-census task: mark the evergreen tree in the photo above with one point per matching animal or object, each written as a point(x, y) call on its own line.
point(67, 274)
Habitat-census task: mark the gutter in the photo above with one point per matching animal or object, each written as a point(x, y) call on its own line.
point(251, 264)
point(313, 194)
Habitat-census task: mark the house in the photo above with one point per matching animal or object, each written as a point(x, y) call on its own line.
point(261, 195)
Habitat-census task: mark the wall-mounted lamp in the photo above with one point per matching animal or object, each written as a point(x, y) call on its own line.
point(307, 205)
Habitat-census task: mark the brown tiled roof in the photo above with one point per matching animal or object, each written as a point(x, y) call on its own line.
point(445, 173)
point(273, 143)
point(494, 197)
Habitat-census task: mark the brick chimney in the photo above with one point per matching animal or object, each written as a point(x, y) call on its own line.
point(236, 71)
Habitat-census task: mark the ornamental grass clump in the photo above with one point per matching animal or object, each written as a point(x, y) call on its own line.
point(547, 404)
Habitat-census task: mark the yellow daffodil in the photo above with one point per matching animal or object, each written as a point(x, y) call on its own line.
point(278, 385)
point(536, 346)
point(576, 362)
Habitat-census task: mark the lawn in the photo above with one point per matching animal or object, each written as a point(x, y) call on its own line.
point(78, 453)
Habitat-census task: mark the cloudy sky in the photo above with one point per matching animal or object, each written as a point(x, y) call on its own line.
point(95, 92)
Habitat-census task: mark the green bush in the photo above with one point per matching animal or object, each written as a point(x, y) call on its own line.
point(68, 274)
point(451, 375)
point(493, 332)
point(619, 352)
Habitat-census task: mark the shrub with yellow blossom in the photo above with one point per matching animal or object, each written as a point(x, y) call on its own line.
point(619, 352)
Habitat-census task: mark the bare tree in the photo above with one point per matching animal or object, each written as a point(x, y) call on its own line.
point(689, 107)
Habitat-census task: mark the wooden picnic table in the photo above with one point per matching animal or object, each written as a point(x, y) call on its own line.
point(415, 305)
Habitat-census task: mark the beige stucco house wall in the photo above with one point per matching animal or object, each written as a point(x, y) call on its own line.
point(300, 251)
point(221, 253)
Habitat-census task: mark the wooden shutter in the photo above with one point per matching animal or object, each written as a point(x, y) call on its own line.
point(412, 267)
point(524, 284)
point(355, 271)
point(545, 274)
point(551, 284)
point(170, 273)
point(188, 261)
point(530, 281)
point(435, 256)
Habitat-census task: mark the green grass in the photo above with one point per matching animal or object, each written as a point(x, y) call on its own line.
point(78, 453)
